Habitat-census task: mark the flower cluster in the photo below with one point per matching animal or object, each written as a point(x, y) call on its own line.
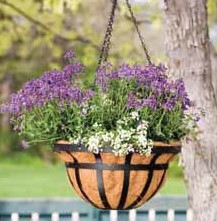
point(52, 85)
point(128, 109)
point(156, 89)
point(124, 139)
point(69, 55)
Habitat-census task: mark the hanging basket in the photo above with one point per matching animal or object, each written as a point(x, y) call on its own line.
point(116, 182)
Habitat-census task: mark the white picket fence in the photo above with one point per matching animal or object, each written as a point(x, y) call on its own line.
point(113, 216)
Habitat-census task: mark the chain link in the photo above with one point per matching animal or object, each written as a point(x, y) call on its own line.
point(107, 39)
point(138, 31)
point(108, 35)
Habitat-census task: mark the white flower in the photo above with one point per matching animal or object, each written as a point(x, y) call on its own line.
point(111, 134)
point(135, 115)
point(139, 127)
point(76, 141)
point(106, 138)
point(143, 125)
point(150, 143)
point(72, 140)
point(130, 148)
point(147, 150)
point(104, 97)
point(132, 130)
point(117, 141)
point(84, 111)
point(93, 144)
point(142, 140)
point(96, 125)
point(120, 122)
point(126, 120)
point(125, 134)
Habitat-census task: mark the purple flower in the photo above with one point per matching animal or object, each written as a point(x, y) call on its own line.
point(69, 54)
point(165, 93)
point(24, 144)
point(181, 94)
point(101, 78)
point(68, 95)
point(52, 85)
point(151, 88)
point(150, 102)
point(113, 75)
point(88, 94)
point(125, 71)
point(74, 68)
point(133, 101)
point(169, 105)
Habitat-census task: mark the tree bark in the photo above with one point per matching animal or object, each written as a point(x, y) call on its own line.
point(213, 54)
point(188, 47)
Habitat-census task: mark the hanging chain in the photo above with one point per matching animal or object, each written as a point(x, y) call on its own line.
point(138, 31)
point(107, 39)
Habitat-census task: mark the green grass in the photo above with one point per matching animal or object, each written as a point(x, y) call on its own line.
point(173, 186)
point(27, 177)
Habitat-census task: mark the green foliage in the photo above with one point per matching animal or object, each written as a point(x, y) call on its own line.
point(212, 11)
point(127, 108)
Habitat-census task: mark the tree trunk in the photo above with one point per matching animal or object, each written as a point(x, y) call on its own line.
point(213, 54)
point(188, 47)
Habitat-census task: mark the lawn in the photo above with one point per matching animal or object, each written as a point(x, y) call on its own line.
point(37, 179)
